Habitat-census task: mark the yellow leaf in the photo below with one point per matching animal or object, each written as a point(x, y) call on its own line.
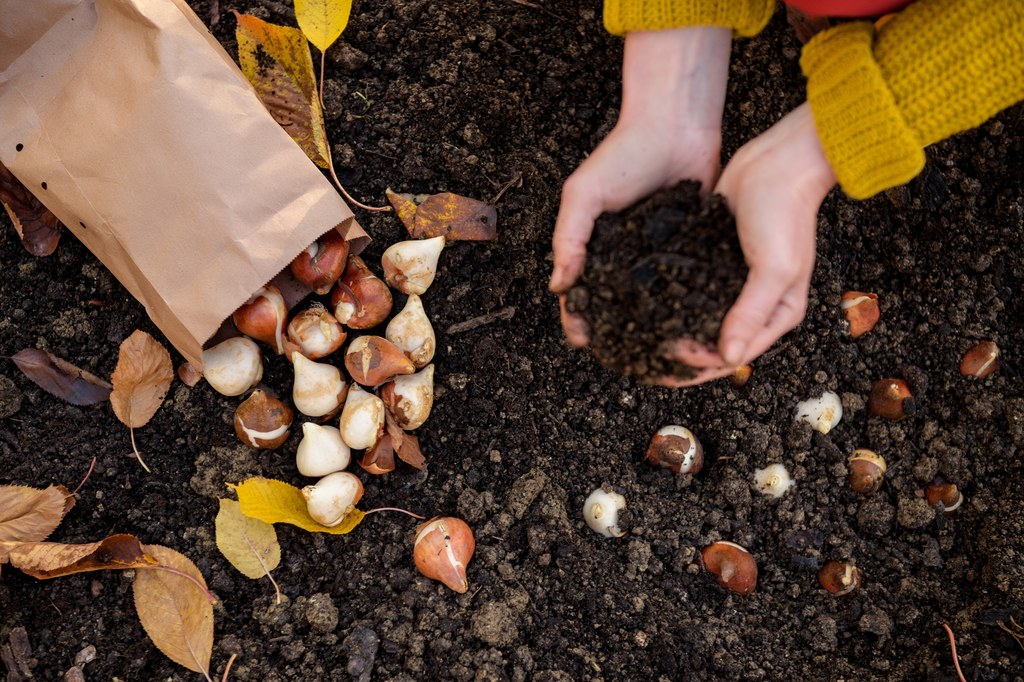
point(322, 20)
point(141, 379)
point(278, 502)
point(175, 613)
point(249, 544)
point(276, 61)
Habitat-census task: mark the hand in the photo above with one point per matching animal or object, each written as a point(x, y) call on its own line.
point(669, 129)
point(774, 185)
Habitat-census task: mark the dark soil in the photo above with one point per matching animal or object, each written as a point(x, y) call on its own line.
point(666, 268)
point(466, 97)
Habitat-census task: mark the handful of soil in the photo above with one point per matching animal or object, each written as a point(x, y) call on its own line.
point(666, 268)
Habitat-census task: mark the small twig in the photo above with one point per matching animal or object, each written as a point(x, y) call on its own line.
point(505, 313)
point(517, 178)
point(952, 645)
point(396, 509)
point(227, 668)
point(87, 474)
point(138, 455)
point(160, 567)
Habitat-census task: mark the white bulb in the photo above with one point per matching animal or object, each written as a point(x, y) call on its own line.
point(321, 451)
point(822, 413)
point(233, 366)
point(774, 480)
point(333, 497)
point(411, 331)
point(317, 388)
point(362, 418)
point(601, 512)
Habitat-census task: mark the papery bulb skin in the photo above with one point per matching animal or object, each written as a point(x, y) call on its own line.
point(372, 360)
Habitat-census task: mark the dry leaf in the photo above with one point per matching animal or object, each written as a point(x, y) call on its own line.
point(141, 379)
point(249, 544)
point(454, 217)
point(175, 613)
point(38, 228)
point(60, 378)
point(45, 560)
point(322, 21)
point(29, 515)
point(278, 502)
point(276, 61)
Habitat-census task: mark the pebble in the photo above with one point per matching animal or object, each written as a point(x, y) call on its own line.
point(361, 645)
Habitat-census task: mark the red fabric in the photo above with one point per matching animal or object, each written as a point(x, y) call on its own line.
point(848, 8)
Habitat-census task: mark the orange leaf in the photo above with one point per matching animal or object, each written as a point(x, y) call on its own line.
point(38, 228)
point(141, 379)
point(455, 217)
point(45, 560)
point(175, 613)
point(276, 61)
point(29, 515)
point(60, 378)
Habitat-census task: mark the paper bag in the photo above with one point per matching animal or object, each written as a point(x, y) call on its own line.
point(128, 120)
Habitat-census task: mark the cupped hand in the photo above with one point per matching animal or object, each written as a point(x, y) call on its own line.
point(669, 129)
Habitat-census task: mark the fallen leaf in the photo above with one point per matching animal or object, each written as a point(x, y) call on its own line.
point(278, 502)
point(276, 61)
point(455, 217)
point(45, 560)
point(141, 379)
point(322, 21)
point(175, 613)
point(249, 544)
point(60, 378)
point(30, 515)
point(38, 228)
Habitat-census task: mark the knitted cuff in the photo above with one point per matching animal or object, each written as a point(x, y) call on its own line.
point(866, 139)
point(745, 17)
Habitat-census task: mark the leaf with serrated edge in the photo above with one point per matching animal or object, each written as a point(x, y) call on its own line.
point(249, 544)
point(45, 560)
point(141, 379)
point(322, 21)
point(278, 502)
point(60, 378)
point(276, 61)
point(175, 613)
point(29, 515)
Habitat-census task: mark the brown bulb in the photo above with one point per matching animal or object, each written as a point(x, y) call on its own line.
point(981, 360)
point(320, 265)
point(888, 399)
point(733, 565)
point(379, 458)
point(372, 360)
point(941, 490)
point(263, 317)
point(861, 311)
point(360, 300)
point(741, 375)
point(263, 421)
point(442, 551)
point(839, 578)
point(867, 471)
point(675, 448)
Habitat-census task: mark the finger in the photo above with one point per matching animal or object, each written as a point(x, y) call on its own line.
point(761, 295)
point(788, 315)
point(577, 332)
point(703, 376)
point(581, 204)
point(695, 354)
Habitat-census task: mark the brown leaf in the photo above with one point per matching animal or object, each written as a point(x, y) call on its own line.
point(38, 228)
point(175, 613)
point(406, 445)
point(141, 379)
point(29, 515)
point(60, 378)
point(455, 217)
point(45, 560)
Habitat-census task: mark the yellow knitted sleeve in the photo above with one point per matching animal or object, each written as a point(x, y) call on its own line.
point(938, 68)
point(745, 17)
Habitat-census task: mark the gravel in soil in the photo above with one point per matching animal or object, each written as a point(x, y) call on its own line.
point(465, 97)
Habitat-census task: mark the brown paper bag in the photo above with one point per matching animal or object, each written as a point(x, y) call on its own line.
point(128, 120)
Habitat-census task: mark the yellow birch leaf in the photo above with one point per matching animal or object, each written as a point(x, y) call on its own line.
point(322, 21)
point(276, 61)
point(249, 544)
point(175, 613)
point(278, 502)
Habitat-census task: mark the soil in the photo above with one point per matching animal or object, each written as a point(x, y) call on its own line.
point(666, 268)
point(467, 97)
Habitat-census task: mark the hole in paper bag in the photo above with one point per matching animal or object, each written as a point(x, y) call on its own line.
point(44, 185)
point(18, 147)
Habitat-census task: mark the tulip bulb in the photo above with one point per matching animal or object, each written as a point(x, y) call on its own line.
point(733, 565)
point(372, 360)
point(443, 549)
point(675, 448)
point(409, 398)
point(822, 413)
point(411, 331)
point(321, 451)
point(233, 366)
point(263, 317)
point(774, 480)
point(601, 512)
point(321, 264)
point(362, 419)
point(316, 333)
point(263, 421)
point(333, 497)
point(379, 458)
point(410, 266)
point(318, 388)
point(372, 302)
